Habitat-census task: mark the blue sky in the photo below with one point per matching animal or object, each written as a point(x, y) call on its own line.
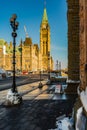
point(30, 14)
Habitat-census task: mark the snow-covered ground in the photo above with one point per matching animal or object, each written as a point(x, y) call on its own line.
point(67, 124)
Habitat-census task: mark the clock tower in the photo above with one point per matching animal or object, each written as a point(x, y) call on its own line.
point(45, 42)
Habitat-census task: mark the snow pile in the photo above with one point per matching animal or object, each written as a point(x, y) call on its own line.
point(13, 98)
point(62, 77)
point(67, 124)
point(73, 81)
point(81, 120)
point(83, 97)
point(78, 90)
point(64, 124)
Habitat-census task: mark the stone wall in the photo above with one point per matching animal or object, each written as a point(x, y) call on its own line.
point(73, 39)
point(83, 43)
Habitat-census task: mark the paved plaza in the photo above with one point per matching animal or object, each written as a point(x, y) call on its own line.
point(35, 112)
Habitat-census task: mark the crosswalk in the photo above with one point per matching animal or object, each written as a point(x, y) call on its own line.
point(29, 91)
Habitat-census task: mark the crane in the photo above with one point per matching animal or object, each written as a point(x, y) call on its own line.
point(25, 31)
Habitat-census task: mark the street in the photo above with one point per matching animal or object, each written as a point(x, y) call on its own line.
point(20, 80)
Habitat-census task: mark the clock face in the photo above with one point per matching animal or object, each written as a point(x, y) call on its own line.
point(44, 26)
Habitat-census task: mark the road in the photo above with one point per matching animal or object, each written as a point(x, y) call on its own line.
point(32, 92)
point(20, 80)
point(25, 86)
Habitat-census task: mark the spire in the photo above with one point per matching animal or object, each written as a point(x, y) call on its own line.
point(21, 40)
point(44, 3)
point(45, 18)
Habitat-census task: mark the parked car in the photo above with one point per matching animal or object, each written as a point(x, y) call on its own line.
point(2, 73)
point(24, 72)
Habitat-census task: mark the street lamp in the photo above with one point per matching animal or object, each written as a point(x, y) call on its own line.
point(13, 96)
point(59, 68)
point(40, 84)
point(14, 26)
point(48, 65)
point(21, 56)
point(48, 81)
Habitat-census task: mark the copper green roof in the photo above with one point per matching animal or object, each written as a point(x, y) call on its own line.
point(9, 49)
point(45, 18)
point(17, 50)
point(2, 42)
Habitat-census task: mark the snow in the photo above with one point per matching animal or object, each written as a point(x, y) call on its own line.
point(73, 81)
point(64, 124)
point(78, 91)
point(67, 124)
point(13, 98)
point(83, 97)
point(61, 77)
point(81, 120)
point(57, 76)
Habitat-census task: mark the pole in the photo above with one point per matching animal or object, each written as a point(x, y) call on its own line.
point(40, 76)
point(21, 55)
point(49, 65)
point(14, 26)
point(14, 84)
point(13, 97)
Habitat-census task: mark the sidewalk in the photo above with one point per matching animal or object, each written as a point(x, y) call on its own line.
point(35, 114)
point(19, 83)
point(23, 89)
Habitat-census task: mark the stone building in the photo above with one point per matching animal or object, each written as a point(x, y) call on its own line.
point(45, 41)
point(35, 58)
point(81, 102)
point(29, 57)
point(73, 39)
point(27, 54)
point(2, 42)
point(83, 44)
point(73, 45)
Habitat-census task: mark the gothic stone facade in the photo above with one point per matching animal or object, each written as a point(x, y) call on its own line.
point(28, 55)
point(45, 42)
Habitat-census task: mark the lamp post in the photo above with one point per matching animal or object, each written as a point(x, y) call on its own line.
point(48, 65)
point(40, 84)
point(13, 97)
point(40, 76)
point(60, 68)
point(21, 57)
point(57, 67)
point(14, 26)
point(48, 81)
